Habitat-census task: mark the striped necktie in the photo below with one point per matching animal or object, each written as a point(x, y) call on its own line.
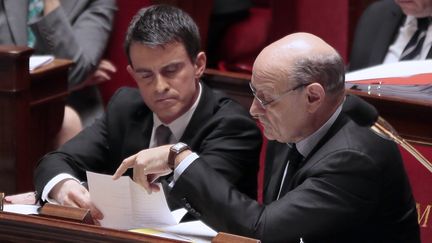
point(35, 8)
point(414, 46)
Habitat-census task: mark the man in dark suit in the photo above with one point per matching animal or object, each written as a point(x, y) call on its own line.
point(342, 182)
point(384, 31)
point(163, 47)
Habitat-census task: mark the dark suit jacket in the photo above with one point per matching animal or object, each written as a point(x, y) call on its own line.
point(376, 30)
point(352, 188)
point(220, 131)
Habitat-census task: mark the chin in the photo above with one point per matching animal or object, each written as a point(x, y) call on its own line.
point(269, 136)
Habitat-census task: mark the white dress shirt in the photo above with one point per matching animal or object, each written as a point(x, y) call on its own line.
point(406, 31)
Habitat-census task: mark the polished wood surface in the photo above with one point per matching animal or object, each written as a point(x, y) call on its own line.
point(31, 111)
point(36, 228)
point(412, 118)
point(28, 228)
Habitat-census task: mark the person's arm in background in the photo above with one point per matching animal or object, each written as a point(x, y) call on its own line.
point(76, 31)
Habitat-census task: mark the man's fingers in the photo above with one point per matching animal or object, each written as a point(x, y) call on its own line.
point(127, 163)
point(86, 203)
point(154, 187)
point(107, 66)
point(68, 201)
point(102, 75)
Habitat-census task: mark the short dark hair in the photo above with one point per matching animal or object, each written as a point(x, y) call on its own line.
point(327, 70)
point(159, 25)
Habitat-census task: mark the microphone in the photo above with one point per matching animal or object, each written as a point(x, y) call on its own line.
point(366, 115)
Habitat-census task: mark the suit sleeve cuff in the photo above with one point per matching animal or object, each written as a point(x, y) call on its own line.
point(50, 185)
point(184, 164)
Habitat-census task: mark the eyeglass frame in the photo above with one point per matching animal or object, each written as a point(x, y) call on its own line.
point(264, 104)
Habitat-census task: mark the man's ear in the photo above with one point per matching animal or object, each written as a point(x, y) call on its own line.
point(315, 93)
point(200, 64)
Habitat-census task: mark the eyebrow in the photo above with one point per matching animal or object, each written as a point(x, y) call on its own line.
point(142, 70)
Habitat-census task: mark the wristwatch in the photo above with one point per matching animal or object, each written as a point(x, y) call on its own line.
point(175, 150)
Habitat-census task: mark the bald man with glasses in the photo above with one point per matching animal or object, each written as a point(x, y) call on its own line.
point(327, 179)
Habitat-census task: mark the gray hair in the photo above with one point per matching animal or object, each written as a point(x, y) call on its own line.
point(327, 70)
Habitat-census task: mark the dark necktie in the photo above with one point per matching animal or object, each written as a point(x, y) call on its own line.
point(414, 46)
point(163, 134)
point(294, 161)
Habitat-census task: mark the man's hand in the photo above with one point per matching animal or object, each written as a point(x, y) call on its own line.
point(103, 72)
point(50, 5)
point(148, 165)
point(71, 193)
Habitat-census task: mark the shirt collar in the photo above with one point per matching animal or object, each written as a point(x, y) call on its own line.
point(306, 145)
point(412, 21)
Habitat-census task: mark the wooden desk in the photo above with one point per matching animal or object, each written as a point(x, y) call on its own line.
point(33, 228)
point(27, 228)
point(31, 113)
point(411, 118)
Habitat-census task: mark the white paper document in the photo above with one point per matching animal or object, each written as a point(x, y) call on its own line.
point(21, 208)
point(192, 231)
point(126, 205)
point(391, 70)
point(39, 60)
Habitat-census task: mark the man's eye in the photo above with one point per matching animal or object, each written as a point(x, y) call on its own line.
point(144, 75)
point(171, 69)
point(263, 97)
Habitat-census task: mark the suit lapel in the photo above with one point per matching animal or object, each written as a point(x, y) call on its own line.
point(277, 155)
point(14, 10)
point(386, 35)
point(137, 137)
point(202, 113)
point(308, 161)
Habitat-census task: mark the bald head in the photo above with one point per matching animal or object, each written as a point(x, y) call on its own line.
point(298, 44)
point(298, 82)
point(304, 58)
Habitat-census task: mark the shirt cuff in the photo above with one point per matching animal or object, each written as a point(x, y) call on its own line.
point(183, 165)
point(50, 185)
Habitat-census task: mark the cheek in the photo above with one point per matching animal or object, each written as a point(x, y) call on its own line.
point(274, 123)
point(284, 124)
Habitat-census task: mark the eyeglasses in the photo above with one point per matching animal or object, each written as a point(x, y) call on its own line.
point(265, 103)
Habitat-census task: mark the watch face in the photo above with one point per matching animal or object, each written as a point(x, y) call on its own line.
point(178, 146)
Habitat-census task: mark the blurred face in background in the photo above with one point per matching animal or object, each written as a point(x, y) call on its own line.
point(416, 8)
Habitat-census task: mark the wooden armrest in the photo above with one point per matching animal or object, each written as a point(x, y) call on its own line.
point(80, 215)
point(222, 237)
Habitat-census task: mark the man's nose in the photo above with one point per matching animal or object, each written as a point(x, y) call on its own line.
point(161, 84)
point(256, 108)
